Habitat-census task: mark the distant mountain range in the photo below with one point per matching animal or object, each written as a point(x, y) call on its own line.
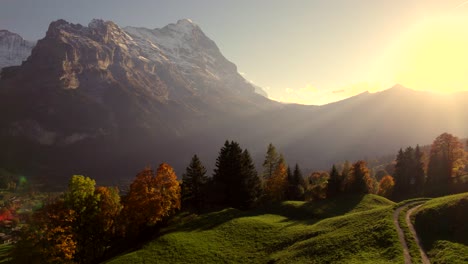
point(105, 101)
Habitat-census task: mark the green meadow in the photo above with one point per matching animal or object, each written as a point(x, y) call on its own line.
point(351, 229)
point(442, 225)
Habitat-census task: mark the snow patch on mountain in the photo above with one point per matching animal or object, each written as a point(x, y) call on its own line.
point(13, 49)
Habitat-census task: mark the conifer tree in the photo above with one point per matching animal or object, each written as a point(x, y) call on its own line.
point(251, 190)
point(359, 179)
point(194, 183)
point(226, 174)
point(296, 184)
point(272, 160)
point(235, 179)
point(334, 182)
point(418, 171)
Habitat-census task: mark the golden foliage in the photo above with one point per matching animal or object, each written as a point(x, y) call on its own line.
point(386, 185)
point(151, 197)
point(276, 185)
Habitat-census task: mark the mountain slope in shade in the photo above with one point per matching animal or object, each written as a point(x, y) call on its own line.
point(13, 49)
point(105, 101)
point(100, 92)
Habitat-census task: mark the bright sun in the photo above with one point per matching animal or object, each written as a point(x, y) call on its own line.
point(432, 56)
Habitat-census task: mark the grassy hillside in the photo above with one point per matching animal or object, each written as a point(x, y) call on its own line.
point(357, 229)
point(442, 226)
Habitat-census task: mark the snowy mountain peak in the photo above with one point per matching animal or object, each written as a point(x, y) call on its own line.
point(183, 27)
point(13, 49)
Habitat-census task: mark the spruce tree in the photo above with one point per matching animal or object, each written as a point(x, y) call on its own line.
point(334, 182)
point(296, 184)
point(419, 175)
point(235, 179)
point(251, 190)
point(194, 183)
point(226, 174)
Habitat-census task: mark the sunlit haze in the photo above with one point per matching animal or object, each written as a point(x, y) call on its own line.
point(308, 52)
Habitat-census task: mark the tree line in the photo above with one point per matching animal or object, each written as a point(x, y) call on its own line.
point(87, 224)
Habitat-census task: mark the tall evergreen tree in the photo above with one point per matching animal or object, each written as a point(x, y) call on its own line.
point(334, 182)
point(418, 171)
point(296, 184)
point(194, 183)
point(235, 178)
point(409, 174)
point(226, 174)
point(271, 161)
point(251, 190)
point(360, 179)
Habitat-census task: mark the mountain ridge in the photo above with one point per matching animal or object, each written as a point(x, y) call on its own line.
point(90, 97)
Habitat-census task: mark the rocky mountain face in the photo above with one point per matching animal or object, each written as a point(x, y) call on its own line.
point(106, 101)
point(121, 92)
point(13, 49)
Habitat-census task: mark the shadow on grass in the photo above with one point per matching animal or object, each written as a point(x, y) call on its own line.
point(295, 212)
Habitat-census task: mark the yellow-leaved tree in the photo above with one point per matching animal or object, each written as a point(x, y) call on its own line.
point(276, 185)
point(386, 185)
point(151, 198)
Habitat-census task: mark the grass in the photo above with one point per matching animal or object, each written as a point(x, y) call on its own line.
point(355, 229)
point(410, 242)
point(5, 250)
point(442, 226)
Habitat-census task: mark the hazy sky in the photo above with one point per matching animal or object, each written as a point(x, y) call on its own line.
point(310, 52)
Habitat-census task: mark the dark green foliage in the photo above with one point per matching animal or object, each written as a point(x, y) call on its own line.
point(251, 190)
point(441, 226)
point(235, 181)
point(296, 184)
point(82, 199)
point(446, 161)
point(334, 182)
point(409, 173)
point(194, 184)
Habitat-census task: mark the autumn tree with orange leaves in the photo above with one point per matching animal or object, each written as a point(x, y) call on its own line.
point(277, 184)
point(359, 179)
point(386, 185)
point(151, 198)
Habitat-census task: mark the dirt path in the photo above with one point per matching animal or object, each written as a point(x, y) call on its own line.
point(401, 234)
point(424, 258)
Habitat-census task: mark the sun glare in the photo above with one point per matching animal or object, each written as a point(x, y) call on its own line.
point(433, 55)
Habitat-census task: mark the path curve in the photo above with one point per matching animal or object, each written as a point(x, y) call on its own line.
point(424, 258)
point(401, 234)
